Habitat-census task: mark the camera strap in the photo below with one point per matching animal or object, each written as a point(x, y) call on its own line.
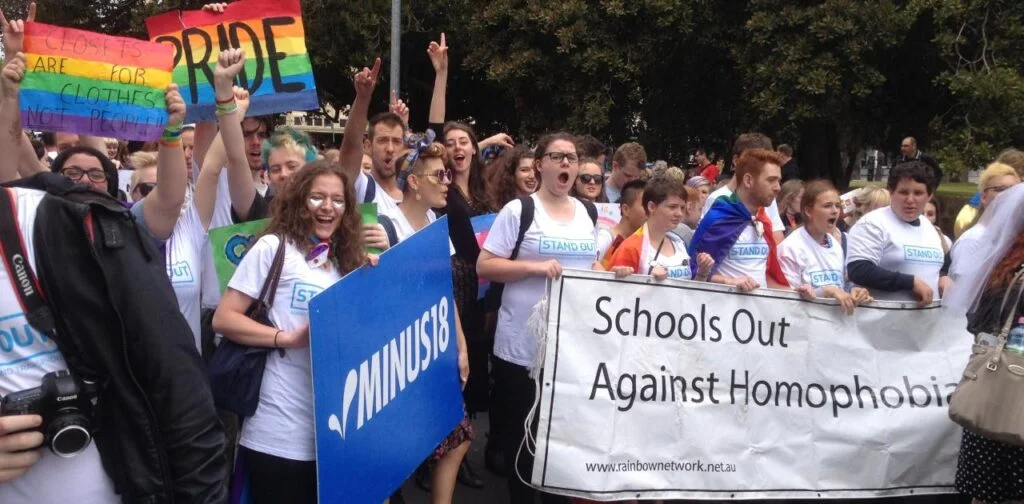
point(23, 279)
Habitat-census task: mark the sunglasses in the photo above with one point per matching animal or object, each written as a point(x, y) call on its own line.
point(145, 188)
point(442, 176)
point(587, 178)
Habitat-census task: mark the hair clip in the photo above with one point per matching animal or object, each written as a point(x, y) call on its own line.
point(419, 145)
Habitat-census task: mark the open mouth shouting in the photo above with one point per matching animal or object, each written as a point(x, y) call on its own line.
point(563, 177)
point(325, 224)
point(461, 161)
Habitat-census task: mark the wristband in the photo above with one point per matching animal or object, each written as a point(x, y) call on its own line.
point(173, 144)
point(227, 108)
point(275, 338)
point(227, 100)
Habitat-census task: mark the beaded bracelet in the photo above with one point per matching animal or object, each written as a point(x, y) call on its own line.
point(172, 133)
point(227, 108)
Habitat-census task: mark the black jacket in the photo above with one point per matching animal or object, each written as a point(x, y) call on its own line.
point(118, 323)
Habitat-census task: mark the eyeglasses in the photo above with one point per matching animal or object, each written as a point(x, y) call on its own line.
point(558, 157)
point(145, 188)
point(318, 200)
point(443, 176)
point(588, 178)
point(998, 189)
point(75, 173)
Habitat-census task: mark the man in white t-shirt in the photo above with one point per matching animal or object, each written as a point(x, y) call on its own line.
point(893, 251)
point(743, 143)
point(736, 231)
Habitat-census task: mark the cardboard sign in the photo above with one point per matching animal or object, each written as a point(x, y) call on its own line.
point(277, 71)
point(385, 369)
point(88, 83)
point(229, 244)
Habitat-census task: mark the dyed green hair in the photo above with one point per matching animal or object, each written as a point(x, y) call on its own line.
point(288, 138)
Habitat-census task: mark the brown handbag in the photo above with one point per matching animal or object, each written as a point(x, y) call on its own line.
point(989, 400)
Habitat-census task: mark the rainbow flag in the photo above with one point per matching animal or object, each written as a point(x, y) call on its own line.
point(277, 71)
point(83, 82)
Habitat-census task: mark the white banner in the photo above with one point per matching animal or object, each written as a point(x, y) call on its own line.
point(689, 390)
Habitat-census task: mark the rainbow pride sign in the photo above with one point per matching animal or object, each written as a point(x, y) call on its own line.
point(83, 82)
point(277, 71)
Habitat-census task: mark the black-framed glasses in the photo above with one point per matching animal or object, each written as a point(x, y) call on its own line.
point(588, 178)
point(443, 176)
point(558, 157)
point(76, 174)
point(145, 188)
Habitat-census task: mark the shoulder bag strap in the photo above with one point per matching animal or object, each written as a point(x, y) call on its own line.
point(273, 276)
point(525, 221)
point(1018, 281)
point(23, 279)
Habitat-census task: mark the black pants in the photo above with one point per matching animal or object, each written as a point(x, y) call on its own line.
point(514, 395)
point(276, 480)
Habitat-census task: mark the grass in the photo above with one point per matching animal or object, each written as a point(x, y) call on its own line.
point(957, 189)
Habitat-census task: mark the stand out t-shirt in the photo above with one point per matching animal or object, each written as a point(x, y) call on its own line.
point(283, 423)
point(638, 255)
point(404, 229)
point(889, 242)
point(747, 257)
point(25, 356)
point(805, 261)
point(571, 243)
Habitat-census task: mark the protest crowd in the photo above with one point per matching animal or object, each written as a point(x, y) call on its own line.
point(114, 324)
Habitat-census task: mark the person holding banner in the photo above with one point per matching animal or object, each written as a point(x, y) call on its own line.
point(653, 249)
point(317, 217)
point(631, 207)
point(890, 252)
point(560, 235)
point(812, 259)
point(737, 232)
point(424, 176)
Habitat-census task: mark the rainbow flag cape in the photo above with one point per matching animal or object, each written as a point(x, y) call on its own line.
point(89, 83)
point(277, 71)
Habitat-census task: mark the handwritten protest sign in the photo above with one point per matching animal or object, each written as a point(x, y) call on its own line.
point(277, 71)
point(83, 82)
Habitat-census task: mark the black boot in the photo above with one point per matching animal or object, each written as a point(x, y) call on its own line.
point(469, 477)
point(494, 461)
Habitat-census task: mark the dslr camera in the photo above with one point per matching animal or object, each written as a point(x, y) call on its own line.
point(66, 405)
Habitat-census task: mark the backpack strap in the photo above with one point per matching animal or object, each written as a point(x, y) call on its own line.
point(842, 241)
point(23, 278)
point(371, 190)
point(525, 221)
point(591, 210)
point(389, 229)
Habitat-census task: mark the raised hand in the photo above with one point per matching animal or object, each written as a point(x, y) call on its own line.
point(229, 64)
point(175, 105)
point(215, 8)
point(400, 108)
point(438, 53)
point(242, 99)
point(14, 32)
point(366, 80)
point(504, 140)
point(13, 72)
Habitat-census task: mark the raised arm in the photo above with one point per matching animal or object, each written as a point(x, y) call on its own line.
point(162, 206)
point(240, 183)
point(10, 116)
point(351, 158)
point(214, 161)
point(438, 54)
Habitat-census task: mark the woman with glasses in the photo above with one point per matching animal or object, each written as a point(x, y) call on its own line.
point(563, 224)
point(87, 166)
point(317, 218)
point(425, 176)
point(590, 182)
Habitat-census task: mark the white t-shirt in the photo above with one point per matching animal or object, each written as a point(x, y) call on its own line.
point(678, 263)
point(747, 257)
point(283, 423)
point(184, 256)
point(386, 204)
point(772, 210)
point(221, 217)
point(573, 244)
point(404, 229)
point(24, 359)
point(804, 261)
point(884, 239)
point(605, 238)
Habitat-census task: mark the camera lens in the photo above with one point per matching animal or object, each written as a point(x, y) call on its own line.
point(68, 435)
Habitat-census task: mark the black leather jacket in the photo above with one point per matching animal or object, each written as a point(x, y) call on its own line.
point(118, 323)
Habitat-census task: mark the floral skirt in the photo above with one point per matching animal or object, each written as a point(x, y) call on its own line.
point(462, 433)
